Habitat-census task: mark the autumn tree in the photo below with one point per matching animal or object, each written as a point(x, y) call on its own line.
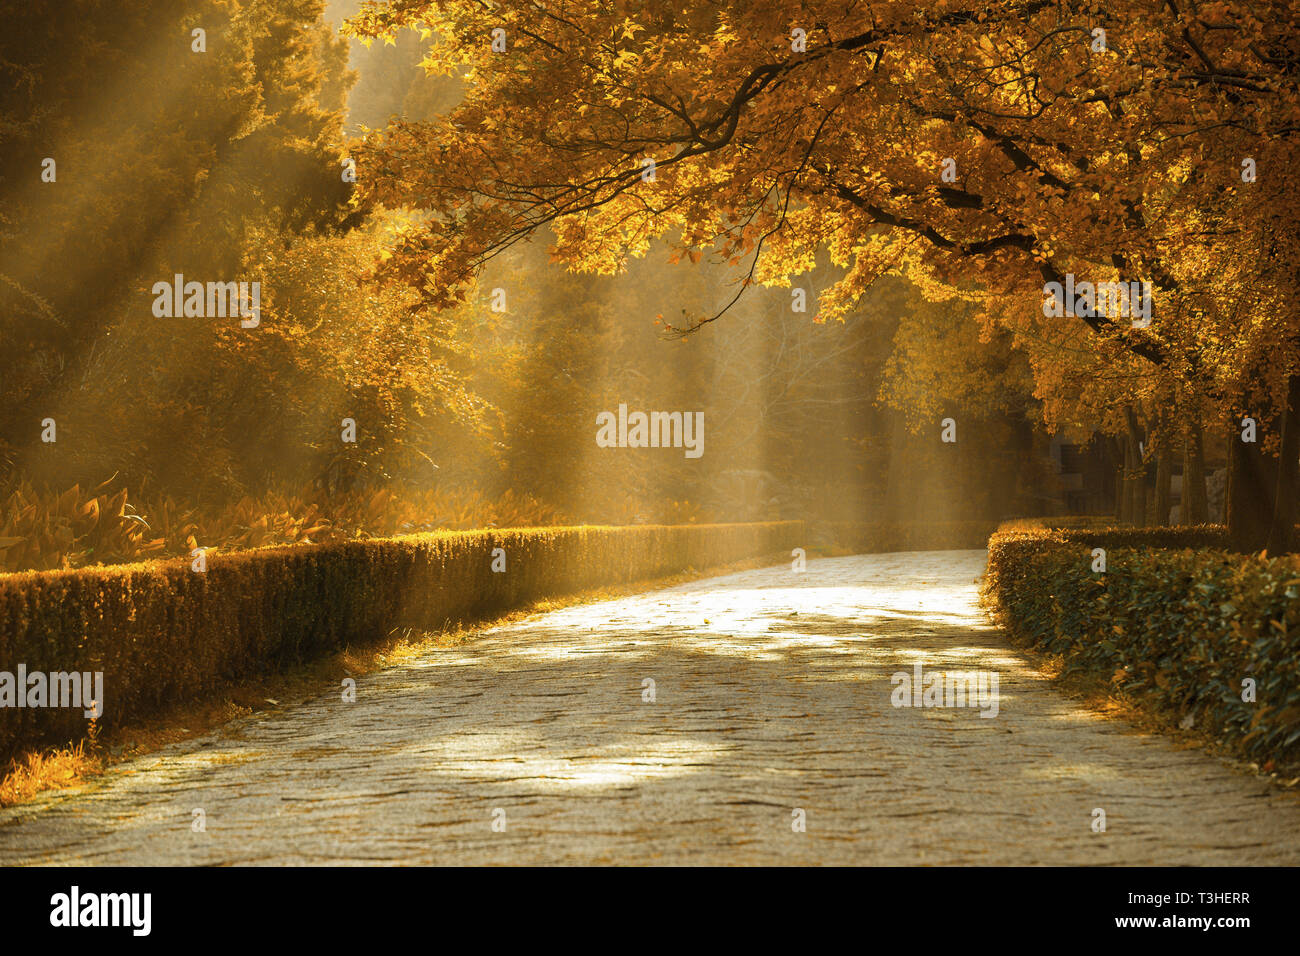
point(992, 148)
point(141, 140)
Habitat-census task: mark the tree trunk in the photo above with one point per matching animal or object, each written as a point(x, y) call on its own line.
point(1196, 505)
point(1119, 455)
point(1139, 486)
point(1252, 485)
point(1164, 484)
point(1126, 483)
point(1282, 533)
point(1138, 472)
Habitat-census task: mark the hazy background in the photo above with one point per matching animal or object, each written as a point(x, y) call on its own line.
point(226, 165)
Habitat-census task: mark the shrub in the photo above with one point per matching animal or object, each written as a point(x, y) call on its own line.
point(47, 530)
point(1175, 619)
point(1097, 532)
point(162, 633)
point(44, 529)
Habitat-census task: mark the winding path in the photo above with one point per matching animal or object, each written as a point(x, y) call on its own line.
point(772, 693)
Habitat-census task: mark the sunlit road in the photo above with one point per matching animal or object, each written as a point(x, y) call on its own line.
point(536, 743)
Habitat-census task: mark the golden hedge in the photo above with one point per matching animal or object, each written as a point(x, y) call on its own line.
point(162, 633)
point(1175, 619)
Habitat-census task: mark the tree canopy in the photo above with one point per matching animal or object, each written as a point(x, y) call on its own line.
point(985, 149)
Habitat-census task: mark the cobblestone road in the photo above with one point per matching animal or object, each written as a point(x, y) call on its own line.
point(772, 693)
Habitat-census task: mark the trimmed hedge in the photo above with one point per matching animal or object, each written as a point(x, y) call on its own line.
point(1175, 619)
point(162, 633)
point(1099, 533)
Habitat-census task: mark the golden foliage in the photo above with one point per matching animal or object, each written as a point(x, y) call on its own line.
point(49, 530)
